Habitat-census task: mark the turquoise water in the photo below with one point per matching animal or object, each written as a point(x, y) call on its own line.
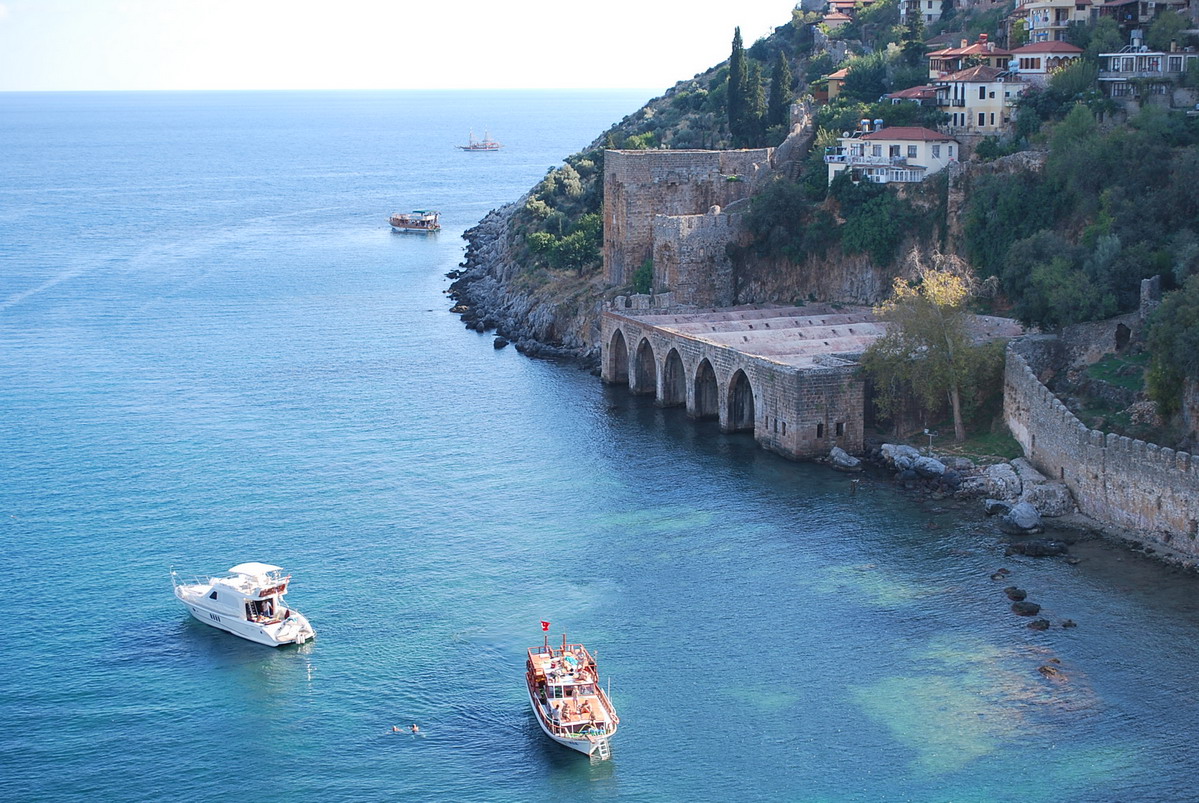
point(213, 349)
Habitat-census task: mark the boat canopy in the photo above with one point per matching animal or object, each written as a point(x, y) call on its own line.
point(255, 569)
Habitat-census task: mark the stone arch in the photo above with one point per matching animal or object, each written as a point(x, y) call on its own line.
point(674, 380)
point(741, 403)
point(645, 370)
point(618, 359)
point(707, 392)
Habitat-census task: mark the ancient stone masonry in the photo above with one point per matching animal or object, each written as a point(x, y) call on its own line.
point(641, 185)
point(691, 257)
point(787, 374)
point(1115, 480)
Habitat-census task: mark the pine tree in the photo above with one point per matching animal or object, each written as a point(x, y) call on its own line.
point(755, 106)
point(736, 89)
point(777, 111)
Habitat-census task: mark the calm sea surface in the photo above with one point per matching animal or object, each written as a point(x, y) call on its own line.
point(213, 349)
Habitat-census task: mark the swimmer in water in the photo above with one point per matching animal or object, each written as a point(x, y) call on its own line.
point(394, 729)
point(415, 729)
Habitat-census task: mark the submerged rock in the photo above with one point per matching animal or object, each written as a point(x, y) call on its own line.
point(1025, 608)
point(1014, 593)
point(1038, 548)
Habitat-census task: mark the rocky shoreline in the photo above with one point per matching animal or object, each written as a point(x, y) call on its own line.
point(1026, 503)
point(493, 293)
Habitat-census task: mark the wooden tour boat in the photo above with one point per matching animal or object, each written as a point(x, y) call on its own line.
point(566, 698)
point(420, 220)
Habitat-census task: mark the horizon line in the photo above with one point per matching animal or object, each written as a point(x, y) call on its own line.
point(349, 89)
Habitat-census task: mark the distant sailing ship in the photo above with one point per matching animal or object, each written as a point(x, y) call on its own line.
point(484, 144)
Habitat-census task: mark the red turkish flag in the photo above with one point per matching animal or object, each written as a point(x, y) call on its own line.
point(545, 625)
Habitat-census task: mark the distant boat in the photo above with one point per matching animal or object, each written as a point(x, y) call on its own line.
point(570, 705)
point(484, 144)
point(420, 220)
point(248, 603)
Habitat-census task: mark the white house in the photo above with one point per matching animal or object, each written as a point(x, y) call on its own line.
point(1036, 61)
point(979, 100)
point(884, 155)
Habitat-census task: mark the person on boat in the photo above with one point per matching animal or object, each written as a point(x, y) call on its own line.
point(266, 609)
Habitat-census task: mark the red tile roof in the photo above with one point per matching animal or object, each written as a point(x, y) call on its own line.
point(915, 92)
point(1049, 47)
point(914, 133)
point(982, 74)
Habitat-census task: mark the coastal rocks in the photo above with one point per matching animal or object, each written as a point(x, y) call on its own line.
point(999, 481)
point(996, 507)
point(1015, 594)
point(1025, 608)
point(499, 343)
point(1039, 624)
point(1051, 499)
point(899, 456)
point(928, 467)
point(843, 461)
point(1022, 518)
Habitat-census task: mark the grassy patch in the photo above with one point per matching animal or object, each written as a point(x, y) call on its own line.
point(1124, 372)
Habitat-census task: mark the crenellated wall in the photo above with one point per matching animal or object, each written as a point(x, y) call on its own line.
point(640, 185)
point(1115, 480)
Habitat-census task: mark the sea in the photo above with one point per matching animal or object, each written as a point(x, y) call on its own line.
point(213, 349)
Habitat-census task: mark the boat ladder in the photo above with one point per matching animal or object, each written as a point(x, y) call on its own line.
point(603, 749)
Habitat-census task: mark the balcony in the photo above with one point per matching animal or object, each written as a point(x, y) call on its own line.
point(848, 159)
point(957, 102)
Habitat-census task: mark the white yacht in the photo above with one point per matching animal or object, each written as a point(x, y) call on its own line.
point(248, 603)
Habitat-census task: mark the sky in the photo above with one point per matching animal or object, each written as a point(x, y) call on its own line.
point(369, 44)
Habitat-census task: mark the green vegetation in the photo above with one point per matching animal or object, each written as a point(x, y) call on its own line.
point(927, 352)
point(1174, 346)
point(1111, 207)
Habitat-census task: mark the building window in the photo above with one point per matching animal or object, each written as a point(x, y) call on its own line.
point(784, 429)
point(1175, 64)
point(982, 93)
point(1119, 90)
point(992, 118)
point(911, 151)
point(936, 151)
point(840, 428)
point(893, 151)
point(819, 431)
point(1157, 89)
point(876, 150)
point(982, 119)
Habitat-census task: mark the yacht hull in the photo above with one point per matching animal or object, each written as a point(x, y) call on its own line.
point(587, 745)
point(277, 635)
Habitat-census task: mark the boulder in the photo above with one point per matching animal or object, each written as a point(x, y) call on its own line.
point(994, 507)
point(928, 466)
point(499, 342)
point(1015, 594)
point(1051, 499)
point(843, 461)
point(893, 451)
point(962, 464)
point(1039, 624)
point(1002, 482)
point(1022, 518)
point(1024, 608)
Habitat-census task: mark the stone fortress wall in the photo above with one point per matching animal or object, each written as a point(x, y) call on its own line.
point(641, 186)
point(1115, 480)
